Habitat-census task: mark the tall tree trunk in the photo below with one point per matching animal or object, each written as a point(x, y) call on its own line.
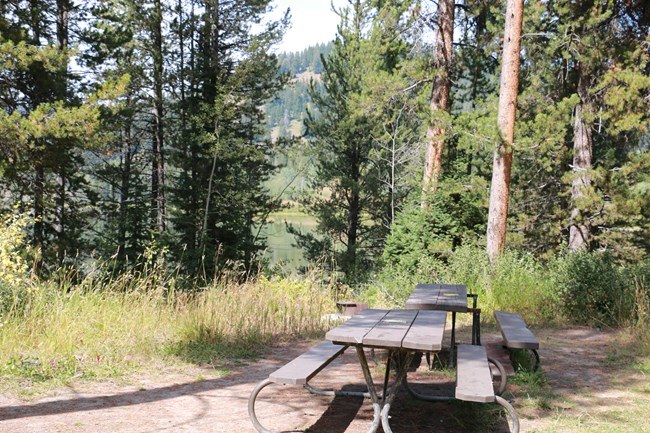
point(579, 230)
point(158, 167)
point(352, 234)
point(37, 154)
point(62, 34)
point(39, 194)
point(211, 67)
point(502, 163)
point(59, 214)
point(439, 100)
point(125, 190)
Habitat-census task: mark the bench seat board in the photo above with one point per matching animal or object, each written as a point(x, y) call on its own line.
point(307, 365)
point(391, 330)
point(427, 331)
point(514, 331)
point(473, 378)
point(353, 331)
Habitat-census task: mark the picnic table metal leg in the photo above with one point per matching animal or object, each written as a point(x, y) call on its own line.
point(418, 396)
point(502, 375)
point(511, 412)
point(390, 394)
point(476, 319)
point(376, 404)
point(452, 349)
point(251, 406)
point(537, 361)
point(382, 405)
point(477, 326)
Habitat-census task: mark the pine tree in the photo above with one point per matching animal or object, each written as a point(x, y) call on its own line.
point(568, 192)
point(356, 136)
point(120, 43)
point(46, 127)
point(220, 159)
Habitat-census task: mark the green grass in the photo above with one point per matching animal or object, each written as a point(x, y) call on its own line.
point(98, 329)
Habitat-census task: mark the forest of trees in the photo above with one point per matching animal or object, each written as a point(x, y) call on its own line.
point(129, 125)
point(132, 126)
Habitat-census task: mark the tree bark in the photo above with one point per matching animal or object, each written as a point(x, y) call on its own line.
point(39, 194)
point(125, 188)
point(158, 162)
point(579, 230)
point(502, 162)
point(439, 100)
point(62, 34)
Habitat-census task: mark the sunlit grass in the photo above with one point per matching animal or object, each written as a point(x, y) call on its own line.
point(99, 328)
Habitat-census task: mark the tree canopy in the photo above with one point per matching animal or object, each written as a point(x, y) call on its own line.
point(129, 125)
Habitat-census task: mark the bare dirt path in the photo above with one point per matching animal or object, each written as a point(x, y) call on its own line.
point(577, 363)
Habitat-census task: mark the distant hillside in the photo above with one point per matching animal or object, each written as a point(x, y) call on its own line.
point(285, 114)
point(284, 118)
point(305, 60)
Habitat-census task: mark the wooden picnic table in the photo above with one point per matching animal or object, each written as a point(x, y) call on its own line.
point(402, 333)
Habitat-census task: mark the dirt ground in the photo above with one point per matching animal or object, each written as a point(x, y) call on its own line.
point(577, 362)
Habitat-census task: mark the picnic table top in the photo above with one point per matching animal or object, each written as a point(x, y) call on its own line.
point(445, 297)
point(393, 329)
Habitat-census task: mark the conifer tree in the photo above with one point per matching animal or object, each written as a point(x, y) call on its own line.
point(582, 61)
point(363, 116)
point(221, 160)
point(47, 124)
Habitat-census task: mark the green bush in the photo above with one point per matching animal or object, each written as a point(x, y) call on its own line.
point(517, 283)
point(592, 289)
point(419, 234)
point(14, 272)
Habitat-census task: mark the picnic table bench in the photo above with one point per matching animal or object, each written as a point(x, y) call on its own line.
point(474, 380)
point(298, 372)
point(516, 334)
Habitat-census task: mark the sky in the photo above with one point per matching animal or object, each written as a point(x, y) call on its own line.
point(312, 22)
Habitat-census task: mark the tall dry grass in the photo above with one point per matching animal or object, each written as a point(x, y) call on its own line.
point(105, 326)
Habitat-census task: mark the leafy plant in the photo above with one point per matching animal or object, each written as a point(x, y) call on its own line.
point(14, 271)
point(591, 289)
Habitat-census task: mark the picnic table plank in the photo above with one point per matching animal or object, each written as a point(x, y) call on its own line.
point(391, 330)
point(447, 297)
point(353, 331)
point(426, 332)
point(307, 365)
point(473, 379)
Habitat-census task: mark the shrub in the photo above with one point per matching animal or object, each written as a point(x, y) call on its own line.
point(14, 272)
point(637, 279)
point(592, 289)
point(418, 234)
point(518, 282)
